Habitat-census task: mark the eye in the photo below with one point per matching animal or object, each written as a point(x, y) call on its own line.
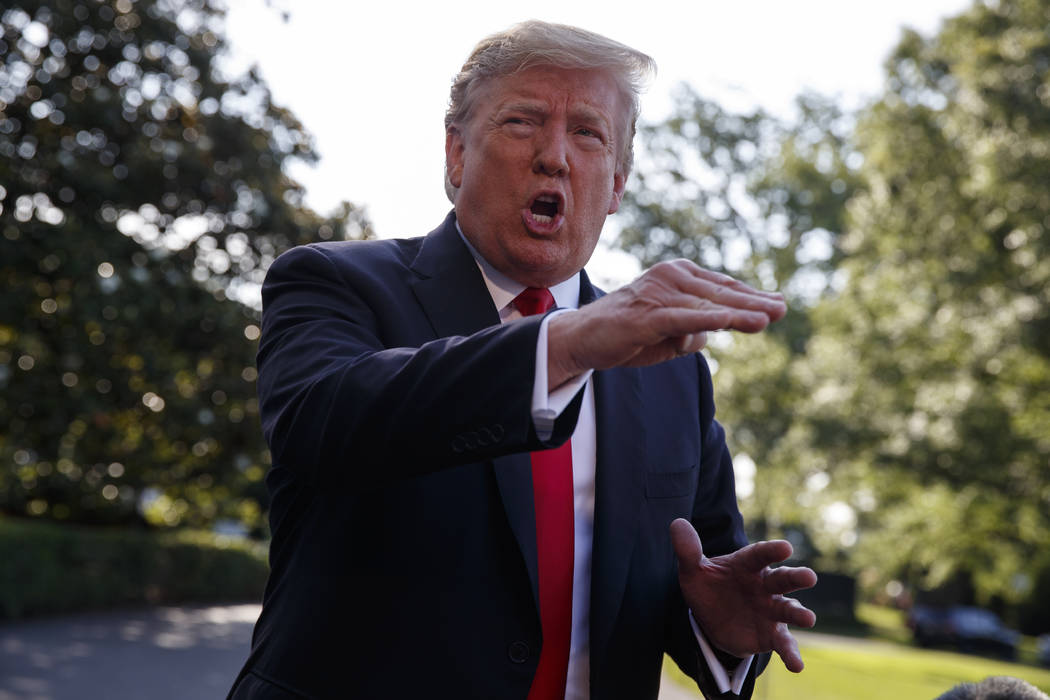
point(589, 133)
point(518, 118)
point(518, 126)
point(590, 138)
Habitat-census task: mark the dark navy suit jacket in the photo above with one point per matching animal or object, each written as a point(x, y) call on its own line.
point(397, 410)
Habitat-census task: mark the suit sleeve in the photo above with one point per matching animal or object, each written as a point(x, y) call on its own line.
point(717, 518)
point(331, 393)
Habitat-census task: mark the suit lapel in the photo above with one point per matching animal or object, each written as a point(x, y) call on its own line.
point(456, 301)
point(619, 491)
point(450, 288)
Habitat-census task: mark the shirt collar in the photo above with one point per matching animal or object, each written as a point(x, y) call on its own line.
point(503, 289)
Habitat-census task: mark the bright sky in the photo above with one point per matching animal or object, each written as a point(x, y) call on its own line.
point(370, 79)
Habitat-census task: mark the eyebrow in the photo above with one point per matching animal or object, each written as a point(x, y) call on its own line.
point(536, 109)
point(587, 114)
point(583, 113)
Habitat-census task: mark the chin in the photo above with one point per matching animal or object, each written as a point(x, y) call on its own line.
point(543, 259)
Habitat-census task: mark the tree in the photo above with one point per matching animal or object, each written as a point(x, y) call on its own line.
point(943, 413)
point(143, 196)
point(764, 200)
point(904, 422)
point(746, 194)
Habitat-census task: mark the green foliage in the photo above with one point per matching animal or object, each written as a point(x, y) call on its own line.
point(51, 568)
point(683, 201)
point(903, 425)
point(945, 312)
point(142, 196)
point(746, 194)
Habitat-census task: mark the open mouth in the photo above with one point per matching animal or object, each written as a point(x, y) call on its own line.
point(545, 206)
point(545, 209)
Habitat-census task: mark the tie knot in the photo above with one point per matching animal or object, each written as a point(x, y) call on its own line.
point(534, 300)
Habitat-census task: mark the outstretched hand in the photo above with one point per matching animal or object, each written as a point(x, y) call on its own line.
point(665, 313)
point(738, 600)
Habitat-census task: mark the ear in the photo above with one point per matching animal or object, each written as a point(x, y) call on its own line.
point(619, 185)
point(454, 149)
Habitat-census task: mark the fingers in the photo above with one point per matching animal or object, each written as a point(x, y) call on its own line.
point(686, 542)
point(663, 314)
point(786, 579)
point(726, 280)
point(733, 297)
point(787, 648)
point(706, 300)
point(759, 555)
point(792, 612)
point(679, 320)
point(706, 286)
point(690, 343)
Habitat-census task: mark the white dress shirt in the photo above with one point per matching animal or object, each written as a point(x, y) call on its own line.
point(546, 407)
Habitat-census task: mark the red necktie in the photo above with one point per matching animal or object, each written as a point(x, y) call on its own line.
point(553, 497)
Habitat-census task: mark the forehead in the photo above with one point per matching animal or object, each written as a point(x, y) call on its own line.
point(552, 88)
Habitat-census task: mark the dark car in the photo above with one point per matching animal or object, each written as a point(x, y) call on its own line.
point(968, 629)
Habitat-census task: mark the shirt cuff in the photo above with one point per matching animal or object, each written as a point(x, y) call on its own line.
point(548, 405)
point(722, 679)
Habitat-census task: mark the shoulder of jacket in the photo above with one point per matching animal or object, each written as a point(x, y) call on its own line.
point(371, 253)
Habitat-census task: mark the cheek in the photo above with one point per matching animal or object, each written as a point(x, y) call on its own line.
point(494, 170)
point(600, 198)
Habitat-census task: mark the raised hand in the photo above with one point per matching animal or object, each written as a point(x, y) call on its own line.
point(664, 313)
point(738, 600)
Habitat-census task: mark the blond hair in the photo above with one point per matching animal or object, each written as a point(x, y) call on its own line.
point(534, 43)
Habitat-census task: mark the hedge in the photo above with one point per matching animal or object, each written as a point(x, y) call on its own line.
point(48, 568)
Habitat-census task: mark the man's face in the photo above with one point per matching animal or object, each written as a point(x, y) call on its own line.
point(537, 167)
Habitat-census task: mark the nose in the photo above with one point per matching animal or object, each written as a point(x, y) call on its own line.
point(552, 156)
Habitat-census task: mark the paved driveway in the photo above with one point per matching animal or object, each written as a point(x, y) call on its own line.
point(171, 653)
point(153, 654)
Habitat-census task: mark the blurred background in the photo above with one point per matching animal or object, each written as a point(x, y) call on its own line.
point(885, 166)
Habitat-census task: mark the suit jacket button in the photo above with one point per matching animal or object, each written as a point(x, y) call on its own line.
point(518, 652)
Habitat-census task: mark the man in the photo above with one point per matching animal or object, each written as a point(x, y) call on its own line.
point(436, 532)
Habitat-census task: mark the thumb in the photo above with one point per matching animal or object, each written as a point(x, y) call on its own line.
point(686, 542)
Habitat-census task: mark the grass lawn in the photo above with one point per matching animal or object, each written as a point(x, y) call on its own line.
point(883, 670)
point(850, 668)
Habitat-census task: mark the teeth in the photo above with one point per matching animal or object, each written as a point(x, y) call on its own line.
point(545, 209)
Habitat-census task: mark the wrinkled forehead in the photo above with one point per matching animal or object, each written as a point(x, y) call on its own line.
point(592, 93)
